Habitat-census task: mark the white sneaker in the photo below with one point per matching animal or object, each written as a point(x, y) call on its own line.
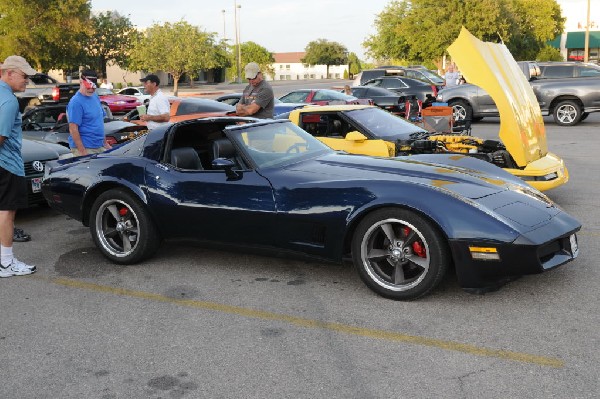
point(16, 268)
point(23, 265)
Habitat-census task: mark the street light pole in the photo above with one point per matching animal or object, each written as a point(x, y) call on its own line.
point(236, 6)
point(586, 48)
point(224, 32)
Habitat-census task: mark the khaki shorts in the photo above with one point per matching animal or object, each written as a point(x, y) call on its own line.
point(98, 150)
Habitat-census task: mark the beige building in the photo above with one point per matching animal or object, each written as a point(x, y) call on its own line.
point(287, 66)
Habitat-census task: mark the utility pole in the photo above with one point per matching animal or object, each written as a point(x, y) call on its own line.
point(586, 48)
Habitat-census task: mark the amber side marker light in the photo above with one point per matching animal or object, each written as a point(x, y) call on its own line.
point(484, 253)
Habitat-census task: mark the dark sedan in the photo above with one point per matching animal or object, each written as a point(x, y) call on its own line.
point(50, 124)
point(383, 98)
point(321, 97)
point(404, 222)
point(424, 92)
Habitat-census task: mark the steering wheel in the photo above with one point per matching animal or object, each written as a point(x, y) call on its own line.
point(296, 148)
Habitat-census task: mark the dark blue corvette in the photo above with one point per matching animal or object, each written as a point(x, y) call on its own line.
point(403, 221)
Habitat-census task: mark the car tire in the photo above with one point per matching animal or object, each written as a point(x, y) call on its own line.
point(121, 227)
point(392, 269)
point(461, 110)
point(567, 113)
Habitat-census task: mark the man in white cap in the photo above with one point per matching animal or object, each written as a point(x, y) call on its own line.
point(257, 99)
point(13, 189)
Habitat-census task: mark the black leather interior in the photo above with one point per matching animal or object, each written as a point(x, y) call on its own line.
point(186, 158)
point(222, 148)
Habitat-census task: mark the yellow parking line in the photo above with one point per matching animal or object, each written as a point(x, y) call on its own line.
point(309, 323)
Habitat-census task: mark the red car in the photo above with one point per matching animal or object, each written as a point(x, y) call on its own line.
point(117, 102)
point(322, 97)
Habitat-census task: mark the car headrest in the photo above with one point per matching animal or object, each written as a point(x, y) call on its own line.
point(185, 158)
point(223, 148)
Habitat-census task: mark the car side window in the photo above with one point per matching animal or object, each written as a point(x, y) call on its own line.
point(41, 79)
point(376, 83)
point(585, 71)
point(394, 84)
point(359, 91)
point(558, 71)
point(129, 92)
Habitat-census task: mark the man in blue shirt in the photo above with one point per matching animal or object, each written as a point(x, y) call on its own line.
point(86, 118)
point(13, 190)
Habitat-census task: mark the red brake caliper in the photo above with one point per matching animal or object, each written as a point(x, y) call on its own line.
point(123, 211)
point(417, 247)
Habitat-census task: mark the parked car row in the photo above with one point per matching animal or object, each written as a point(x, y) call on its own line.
point(567, 91)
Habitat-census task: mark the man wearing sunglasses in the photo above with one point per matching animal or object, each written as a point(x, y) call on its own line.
point(15, 73)
point(86, 118)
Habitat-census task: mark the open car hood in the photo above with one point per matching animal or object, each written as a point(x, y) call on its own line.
point(492, 67)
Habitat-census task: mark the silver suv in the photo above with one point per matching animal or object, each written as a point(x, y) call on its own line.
point(568, 99)
point(558, 70)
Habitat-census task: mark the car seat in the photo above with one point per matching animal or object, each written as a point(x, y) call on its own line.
point(186, 158)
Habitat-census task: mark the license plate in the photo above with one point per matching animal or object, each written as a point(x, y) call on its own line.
point(36, 184)
point(574, 245)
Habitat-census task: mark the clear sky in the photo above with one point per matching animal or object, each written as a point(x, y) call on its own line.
point(576, 12)
point(289, 25)
point(277, 25)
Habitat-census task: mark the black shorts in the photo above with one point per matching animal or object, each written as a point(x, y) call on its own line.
point(13, 191)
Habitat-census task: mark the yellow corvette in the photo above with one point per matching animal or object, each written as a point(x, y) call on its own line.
point(523, 151)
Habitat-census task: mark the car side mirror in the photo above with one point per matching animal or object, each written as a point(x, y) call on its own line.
point(227, 165)
point(356, 137)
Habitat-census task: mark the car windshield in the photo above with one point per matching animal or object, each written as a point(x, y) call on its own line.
point(277, 144)
point(295, 97)
point(329, 95)
point(384, 125)
point(103, 92)
point(432, 76)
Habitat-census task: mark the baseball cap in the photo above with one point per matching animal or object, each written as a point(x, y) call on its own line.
point(89, 78)
point(18, 62)
point(252, 69)
point(152, 78)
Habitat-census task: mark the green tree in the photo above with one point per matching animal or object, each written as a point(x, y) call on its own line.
point(386, 45)
point(48, 33)
point(324, 52)
point(549, 53)
point(251, 52)
point(535, 23)
point(110, 40)
point(354, 64)
point(422, 30)
point(176, 48)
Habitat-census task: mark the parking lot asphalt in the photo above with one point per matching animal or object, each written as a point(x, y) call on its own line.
point(202, 322)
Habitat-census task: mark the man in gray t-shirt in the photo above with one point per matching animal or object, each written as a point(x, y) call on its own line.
point(451, 77)
point(257, 99)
